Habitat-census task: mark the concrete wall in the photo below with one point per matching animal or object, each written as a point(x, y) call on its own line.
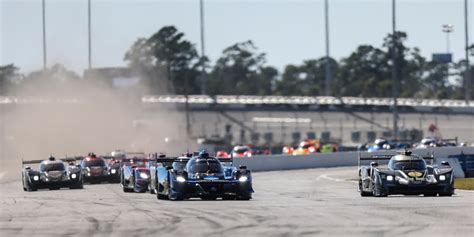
point(286, 162)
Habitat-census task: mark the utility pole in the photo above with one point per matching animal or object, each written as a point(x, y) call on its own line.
point(447, 28)
point(394, 71)
point(203, 63)
point(467, 76)
point(44, 35)
point(328, 63)
point(89, 31)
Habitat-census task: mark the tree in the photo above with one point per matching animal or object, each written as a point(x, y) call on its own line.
point(166, 54)
point(306, 79)
point(241, 71)
point(364, 73)
point(54, 80)
point(7, 75)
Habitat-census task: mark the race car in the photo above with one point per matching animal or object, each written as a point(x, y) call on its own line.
point(383, 144)
point(134, 174)
point(436, 142)
point(329, 147)
point(307, 147)
point(203, 177)
point(52, 174)
point(113, 163)
point(161, 160)
point(406, 174)
point(242, 151)
point(223, 154)
point(94, 169)
point(138, 180)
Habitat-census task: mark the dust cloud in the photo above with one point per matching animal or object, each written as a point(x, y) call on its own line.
point(75, 118)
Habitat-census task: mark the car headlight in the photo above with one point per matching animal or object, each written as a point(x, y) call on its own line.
point(180, 179)
point(389, 178)
point(442, 177)
point(402, 181)
point(88, 174)
point(36, 178)
point(243, 178)
point(144, 176)
point(113, 171)
point(73, 176)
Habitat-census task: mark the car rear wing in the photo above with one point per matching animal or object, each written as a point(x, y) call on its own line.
point(429, 157)
point(65, 159)
point(455, 140)
point(186, 159)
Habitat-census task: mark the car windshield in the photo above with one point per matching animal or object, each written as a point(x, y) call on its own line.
point(179, 165)
point(52, 167)
point(241, 150)
point(408, 165)
point(204, 166)
point(306, 146)
point(90, 163)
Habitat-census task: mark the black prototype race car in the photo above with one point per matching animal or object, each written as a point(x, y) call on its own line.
point(406, 174)
point(52, 174)
point(200, 176)
point(134, 172)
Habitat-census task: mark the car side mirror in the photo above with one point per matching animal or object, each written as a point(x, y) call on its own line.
point(243, 167)
point(374, 164)
point(445, 163)
point(27, 168)
point(169, 167)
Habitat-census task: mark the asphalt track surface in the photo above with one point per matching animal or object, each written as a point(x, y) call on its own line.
point(316, 202)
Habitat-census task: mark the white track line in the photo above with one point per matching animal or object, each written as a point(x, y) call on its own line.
point(327, 177)
point(2, 174)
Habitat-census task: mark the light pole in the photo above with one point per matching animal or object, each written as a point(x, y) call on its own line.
point(328, 63)
point(447, 28)
point(44, 34)
point(89, 31)
point(467, 77)
point(203, 63)
point(394, 72)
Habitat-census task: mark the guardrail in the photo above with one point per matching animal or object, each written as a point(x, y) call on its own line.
point(304, 100)
point(340, 159)
point(263, 100)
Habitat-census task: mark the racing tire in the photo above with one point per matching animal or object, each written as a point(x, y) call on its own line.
point(364, 193)
point(430, 194)
point(377, 192)
point(55, 188)
point(445, 194)
point(209, 197)
point(244, 197)
point(29, 188)
point(127, 190)
point(77, 186)
point(161, 196)
point(228, 197)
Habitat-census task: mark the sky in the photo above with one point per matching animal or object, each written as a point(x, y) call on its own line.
point(288, 31)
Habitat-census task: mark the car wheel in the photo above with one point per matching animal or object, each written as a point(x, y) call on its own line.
point(244, 197)
point(228, 197)
point(363, 193)
point(161, 196)
point(430, 194)
point(446, 194)
point(377, 192)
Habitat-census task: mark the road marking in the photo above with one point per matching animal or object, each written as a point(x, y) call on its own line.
point(327, 177)
point(2, 174)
